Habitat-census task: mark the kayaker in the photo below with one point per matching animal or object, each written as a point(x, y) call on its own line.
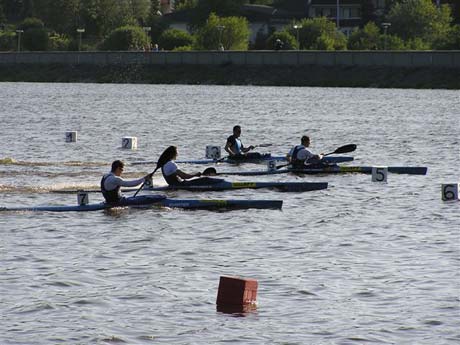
point(236, 149)
point(300, 156)
point(112, 182)
point(173, 175)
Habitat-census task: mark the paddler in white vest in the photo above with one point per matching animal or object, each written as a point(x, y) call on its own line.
point(174, 176)
point(236, 149)
point(300, 156)
point(112, 182)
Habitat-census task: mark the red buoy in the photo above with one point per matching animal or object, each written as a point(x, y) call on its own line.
point(236, 291)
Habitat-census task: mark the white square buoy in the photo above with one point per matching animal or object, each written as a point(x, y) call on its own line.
point(213, 152)
point(82, 198)
point(379, 174)
point(129, 143)
point(271, 165)
point(71, 136)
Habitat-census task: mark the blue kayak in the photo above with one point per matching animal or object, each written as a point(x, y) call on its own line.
point(264, 159)
point(332, 169)
point(222, 185)
point(145, 201)
point(211, 184)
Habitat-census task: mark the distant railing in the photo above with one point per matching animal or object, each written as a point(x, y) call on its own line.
point(441, 59)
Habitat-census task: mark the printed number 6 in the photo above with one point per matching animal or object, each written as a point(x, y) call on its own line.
point(448, 192)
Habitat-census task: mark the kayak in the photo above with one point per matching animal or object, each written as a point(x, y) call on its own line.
point(222, 185)
point(145, 201)
point(264, 159)
point(226, 185)
point(333, 169)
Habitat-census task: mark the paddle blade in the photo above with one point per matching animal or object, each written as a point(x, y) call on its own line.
point(343, 149)
point(346, 148)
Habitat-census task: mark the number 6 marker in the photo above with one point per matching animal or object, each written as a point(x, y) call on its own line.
point(449, 192)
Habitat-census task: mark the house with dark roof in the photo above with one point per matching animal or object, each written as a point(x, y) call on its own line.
point(262, 19)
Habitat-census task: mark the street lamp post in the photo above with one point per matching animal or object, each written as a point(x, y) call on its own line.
point(385, 28)
point(297, 27)
point(220, 28)
point(19, 32)
point(80, 32)
point(147, 30)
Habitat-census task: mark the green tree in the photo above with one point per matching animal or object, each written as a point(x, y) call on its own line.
point(174, 38)
point(287, 39)
point(59, 15)
point(59, 42)
point(180, 5)
point(126, 38)
point(157, 25)
point(8, 41)
point(36, 39)
point(317, 33)
point(231, 32)
point(31, 23)
point(365, 39)
point(391, 42)
point(140, 10)
point(420, 19)
point(2, 14)
point(222, 8)
point(451, 41)
point(101, 17)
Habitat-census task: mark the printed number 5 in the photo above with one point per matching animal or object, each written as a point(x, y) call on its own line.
point(380, 172)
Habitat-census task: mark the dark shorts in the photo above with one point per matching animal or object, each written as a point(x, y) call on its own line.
point(249, 156)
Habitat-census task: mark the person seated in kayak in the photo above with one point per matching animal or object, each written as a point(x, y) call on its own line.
point(236, 149)
point(301, 157)
point(174, 176)
point(112, 182)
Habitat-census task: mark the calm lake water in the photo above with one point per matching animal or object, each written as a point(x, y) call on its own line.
point(359, 263)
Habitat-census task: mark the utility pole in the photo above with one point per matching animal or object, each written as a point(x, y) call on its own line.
point(385, 28)
point(19, 32)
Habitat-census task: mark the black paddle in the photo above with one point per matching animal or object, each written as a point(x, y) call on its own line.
point(341, 149)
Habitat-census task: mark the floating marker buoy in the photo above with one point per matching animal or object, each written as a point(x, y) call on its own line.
point(271, 165)
point(83, 198)
point(213, 152)
point(379, 174)
point(449, 191)
point(129, 143)
point(71, 136)
point(236, 292)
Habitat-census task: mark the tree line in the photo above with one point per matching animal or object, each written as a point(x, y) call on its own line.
point(217, 24)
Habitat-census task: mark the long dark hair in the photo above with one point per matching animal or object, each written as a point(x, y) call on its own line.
point(165, 157)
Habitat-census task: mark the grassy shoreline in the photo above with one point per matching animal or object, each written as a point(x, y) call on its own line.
point(307, 75)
